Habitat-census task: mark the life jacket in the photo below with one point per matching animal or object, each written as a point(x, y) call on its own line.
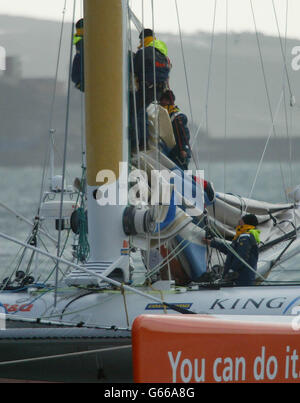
point(77, 74)
point(247, 229)
point(162, 63)
point(76, 39)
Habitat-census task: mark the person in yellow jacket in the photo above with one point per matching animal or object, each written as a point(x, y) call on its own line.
point(144, 61)
point(245, 248)
point(78, 61)
point(151, 68)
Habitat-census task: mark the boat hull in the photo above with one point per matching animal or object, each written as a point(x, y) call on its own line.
point(65, 355)
point(89, 353)
point(111, 308)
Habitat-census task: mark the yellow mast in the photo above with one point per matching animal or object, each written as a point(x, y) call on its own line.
point(103, 86)
point(106, 86)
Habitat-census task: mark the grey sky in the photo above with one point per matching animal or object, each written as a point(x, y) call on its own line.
point(194, 14)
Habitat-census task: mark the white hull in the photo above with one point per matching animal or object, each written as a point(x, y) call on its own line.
point(108, 309)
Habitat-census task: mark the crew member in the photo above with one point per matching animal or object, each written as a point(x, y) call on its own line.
point(245, 247)
point(181, 153)
point(78, 61)
point(143, 64)
point(151, 82)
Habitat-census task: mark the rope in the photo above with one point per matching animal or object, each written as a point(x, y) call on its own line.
point(209, 73)
point(265, 82)
point(265, 149)
point(24, 219)
point(186, 77)
point(61, 323)
point(49, 152)
point(134, 98)
point(125, 304)
point(65, 149)
point(285, 71)
point(144, 82)
point(225, 102)
point(168, 262)
point(285, 109)
point(184, 62)
point(81, 268)
point(47, 156)
point(292, 99)
point(134, 19)
point(67, 355)
point(156, 122)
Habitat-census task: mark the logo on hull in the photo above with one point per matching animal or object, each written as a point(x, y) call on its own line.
point(157, 306)
point(249, 303)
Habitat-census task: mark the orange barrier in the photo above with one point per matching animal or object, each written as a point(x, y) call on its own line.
point(199, 348)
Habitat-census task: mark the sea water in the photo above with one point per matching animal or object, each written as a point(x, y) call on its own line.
point(20, 189)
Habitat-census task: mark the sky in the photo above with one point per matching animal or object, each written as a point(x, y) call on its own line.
point(194, 15)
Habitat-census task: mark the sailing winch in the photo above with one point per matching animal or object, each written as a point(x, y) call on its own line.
point(138, 221)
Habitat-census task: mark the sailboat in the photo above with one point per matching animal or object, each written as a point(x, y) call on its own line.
point(83, 320)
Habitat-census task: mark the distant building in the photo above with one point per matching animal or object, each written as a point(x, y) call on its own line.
point(13, 71)
point(2, 58)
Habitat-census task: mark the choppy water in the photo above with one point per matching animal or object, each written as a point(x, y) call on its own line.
point(20, 190)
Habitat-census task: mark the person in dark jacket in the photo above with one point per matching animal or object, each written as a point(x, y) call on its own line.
point(78, 61)
point(151, 51)
point(245, 245)
point(181, 153)
point(143, 64)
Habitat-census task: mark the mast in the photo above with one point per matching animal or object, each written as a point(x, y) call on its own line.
point(106, 122)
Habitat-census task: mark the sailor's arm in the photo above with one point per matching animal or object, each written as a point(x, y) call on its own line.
point(222, 246)
point(243, 250)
